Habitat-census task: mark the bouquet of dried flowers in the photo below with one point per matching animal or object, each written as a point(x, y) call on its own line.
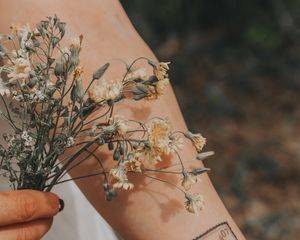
point(50, 111)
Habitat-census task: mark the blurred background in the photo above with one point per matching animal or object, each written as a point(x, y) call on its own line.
point(235, 71)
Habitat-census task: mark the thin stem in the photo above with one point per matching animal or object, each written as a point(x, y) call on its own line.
point(76, 178)
point(162, 180)
point(8, 113)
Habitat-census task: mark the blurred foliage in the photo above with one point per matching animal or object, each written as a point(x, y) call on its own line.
point(236, 73)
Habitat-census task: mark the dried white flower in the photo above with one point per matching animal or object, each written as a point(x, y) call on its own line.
point(106, 90)
point(76, 42)
point(40, 95)
point(159, 131)
point(132, 164)
point(119, 172)
point(160, 70)
point(121, 125)
point(70, 141)
point(147, 155)
point(176, 143)
point(125, 184)
point(20, 70)
point(139, 73)
point(194, 203)
point(4, 90)
point(188, 180)
point(28, 140)
point(197, 139)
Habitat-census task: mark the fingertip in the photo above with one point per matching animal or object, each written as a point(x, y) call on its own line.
point(62, 205)
point(54, 201)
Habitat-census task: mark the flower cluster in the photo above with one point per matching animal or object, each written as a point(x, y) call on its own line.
point(50, 110)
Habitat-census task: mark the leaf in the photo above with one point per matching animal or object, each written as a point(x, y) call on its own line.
point(73, 93)
point(199, 171)
point(3, 49)
point(79, 89)
point(204, 155)
point(98, 74)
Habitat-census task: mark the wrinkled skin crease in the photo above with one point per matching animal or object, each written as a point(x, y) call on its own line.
point(153, 210)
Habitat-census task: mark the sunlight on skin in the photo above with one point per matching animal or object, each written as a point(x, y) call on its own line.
point(153, 210)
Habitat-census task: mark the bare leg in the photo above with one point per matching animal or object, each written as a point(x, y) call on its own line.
point(156, 213)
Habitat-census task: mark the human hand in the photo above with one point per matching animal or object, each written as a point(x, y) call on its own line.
point(27, 214)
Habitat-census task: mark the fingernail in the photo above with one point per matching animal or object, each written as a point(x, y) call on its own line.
point(61, 205)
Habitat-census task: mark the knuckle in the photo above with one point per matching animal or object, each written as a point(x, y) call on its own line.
point(26, 206)
point(26, 233)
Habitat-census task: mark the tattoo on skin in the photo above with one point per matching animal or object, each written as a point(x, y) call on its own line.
point(221, 231)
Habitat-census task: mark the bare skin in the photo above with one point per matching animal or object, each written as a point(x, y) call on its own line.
point(153, 210)
point(26, 214)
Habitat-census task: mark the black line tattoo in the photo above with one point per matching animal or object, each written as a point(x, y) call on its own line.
point(221, 231)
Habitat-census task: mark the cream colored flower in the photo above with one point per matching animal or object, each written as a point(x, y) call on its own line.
point(160, 141)
point(118, 126)
point(133, 164)
point(119, 172)
point(197, 139)
point(77, 72)
point(188, 180)
point(176, 143)
point(194, 203)
point(125, 184)
point(159, 131)
point(70, 141)
point(139, 73)
point(76, 42)
point(121, 125)
point(20, 70)
point(24, 34)
point(161, 85)
point(106, 90)
point(28, 140)
point(157, 90)
point(160, 70)
point(147, 155)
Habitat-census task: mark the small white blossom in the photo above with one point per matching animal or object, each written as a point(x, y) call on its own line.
point(70, 141)
point(40, 95)
point(197, 139)
point(132, 164)
point(160, 70)
point(147, 155)
point(118, 126)
point(28, 140)
point(194, 203)
point(20, 70)
point(176, 143)
point(76, 42)
point(139, 73)
point(188, 180)
point(4, 90)
point(119, 172)
point(121, 125)
point(125, 184)
point(159, 131)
